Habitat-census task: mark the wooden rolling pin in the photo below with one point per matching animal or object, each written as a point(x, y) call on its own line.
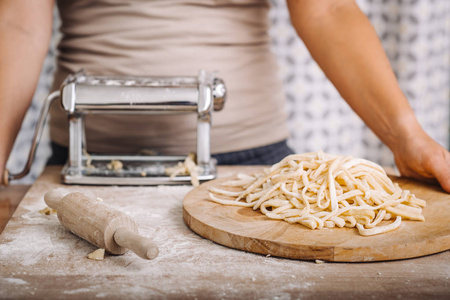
point(103, 226)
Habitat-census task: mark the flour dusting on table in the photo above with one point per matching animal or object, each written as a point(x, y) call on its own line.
point(37, 254)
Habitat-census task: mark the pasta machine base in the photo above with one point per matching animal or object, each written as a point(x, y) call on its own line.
point(135, 170)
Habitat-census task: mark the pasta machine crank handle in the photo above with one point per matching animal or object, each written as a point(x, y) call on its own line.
point(7, 176)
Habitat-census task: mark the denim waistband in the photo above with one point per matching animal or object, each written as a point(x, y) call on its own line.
point(265, 155)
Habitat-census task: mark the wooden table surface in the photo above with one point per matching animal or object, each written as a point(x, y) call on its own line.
point(10, 197)
point(40, 259)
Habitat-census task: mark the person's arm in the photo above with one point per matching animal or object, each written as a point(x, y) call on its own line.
point(342, 41)
point(25, 32)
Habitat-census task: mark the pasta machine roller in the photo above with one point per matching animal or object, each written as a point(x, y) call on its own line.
point(81, 94)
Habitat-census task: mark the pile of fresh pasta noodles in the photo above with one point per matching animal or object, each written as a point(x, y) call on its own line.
point(321, 190)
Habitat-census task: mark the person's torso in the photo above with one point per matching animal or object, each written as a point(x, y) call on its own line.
point(175, 38)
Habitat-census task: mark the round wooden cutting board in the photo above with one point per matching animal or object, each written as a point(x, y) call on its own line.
point(245, 229)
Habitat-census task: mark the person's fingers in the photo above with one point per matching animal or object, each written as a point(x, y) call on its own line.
point(4, 180)
point(409, 173)
point(433, 167)
point(440, 168)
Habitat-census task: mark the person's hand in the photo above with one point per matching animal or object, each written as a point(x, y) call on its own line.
point(420, 157)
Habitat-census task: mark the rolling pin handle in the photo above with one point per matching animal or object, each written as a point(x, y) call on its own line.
point(53, 198)
point(142, 246)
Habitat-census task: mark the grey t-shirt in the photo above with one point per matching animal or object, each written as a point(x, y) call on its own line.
point(175, 38)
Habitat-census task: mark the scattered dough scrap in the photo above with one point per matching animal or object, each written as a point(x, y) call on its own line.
point(48, 211)
point(115, 165)
point(88, 159)
point(318, 261)
point(98, 254)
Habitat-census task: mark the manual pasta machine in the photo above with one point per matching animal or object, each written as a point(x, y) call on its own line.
point(81, 94)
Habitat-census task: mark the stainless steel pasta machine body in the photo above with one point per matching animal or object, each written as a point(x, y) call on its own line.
point(81, 95)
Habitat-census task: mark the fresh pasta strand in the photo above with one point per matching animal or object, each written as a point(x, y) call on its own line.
point(187, 167)
point(321, 190)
